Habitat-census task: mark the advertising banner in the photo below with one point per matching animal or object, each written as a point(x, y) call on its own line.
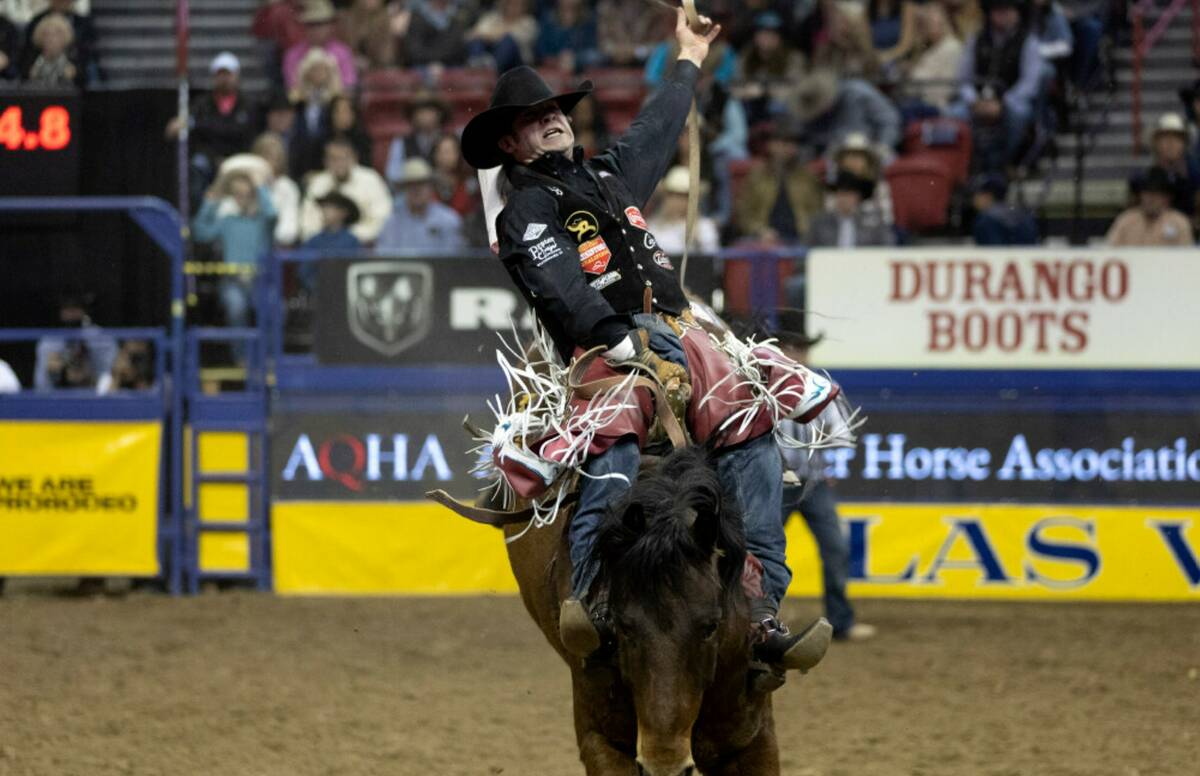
point(79, 498)
point(370, 457)
point(896, 550)
point(977, 308)
point(1080, 457)
point(440, 310)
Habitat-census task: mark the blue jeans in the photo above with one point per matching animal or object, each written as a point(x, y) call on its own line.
point(235, 297)
point(752, 473)
point(820, 512)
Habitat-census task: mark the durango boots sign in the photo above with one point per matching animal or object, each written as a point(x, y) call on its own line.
point(999, 308)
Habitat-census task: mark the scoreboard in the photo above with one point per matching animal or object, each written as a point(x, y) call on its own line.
point(39, 143)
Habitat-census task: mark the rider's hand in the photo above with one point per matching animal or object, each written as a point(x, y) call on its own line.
point(671, 375)
point(693, 45)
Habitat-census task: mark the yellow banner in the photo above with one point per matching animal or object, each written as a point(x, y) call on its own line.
point(897, 550)
point(79, 498)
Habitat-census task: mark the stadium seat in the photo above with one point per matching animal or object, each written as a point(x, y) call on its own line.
point(393, 79)
point(921, 186)
point(623, 77)
point(945, 139)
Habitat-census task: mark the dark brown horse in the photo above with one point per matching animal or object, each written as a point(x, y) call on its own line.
point(675, 693)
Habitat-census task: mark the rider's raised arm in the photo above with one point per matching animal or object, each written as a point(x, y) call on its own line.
point(534, 245)
point(644, 153)
point(646, 150)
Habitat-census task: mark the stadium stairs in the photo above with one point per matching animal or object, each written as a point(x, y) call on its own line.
point(1106, 120)
point(137, 41)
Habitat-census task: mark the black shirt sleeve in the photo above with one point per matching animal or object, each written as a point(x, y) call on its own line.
point(547, 261)
point(644, 153)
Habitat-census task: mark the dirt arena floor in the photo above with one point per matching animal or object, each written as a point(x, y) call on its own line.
point(237, 683)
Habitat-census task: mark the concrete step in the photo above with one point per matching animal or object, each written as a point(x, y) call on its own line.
point(161, 65)
point(207, 47)
point(141, 7)
point(235, 24)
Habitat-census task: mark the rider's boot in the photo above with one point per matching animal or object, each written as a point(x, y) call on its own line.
point(583, 629)
point(775, 645)
point(819, 390)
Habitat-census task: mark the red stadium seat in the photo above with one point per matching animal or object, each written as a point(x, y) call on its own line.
point(921, 187)
point(622, 77)
point(946, 139)
point(393, 79)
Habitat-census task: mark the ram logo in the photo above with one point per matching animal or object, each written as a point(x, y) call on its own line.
point(389, 304)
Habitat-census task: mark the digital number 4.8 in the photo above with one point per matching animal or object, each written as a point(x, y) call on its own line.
point(53, 133)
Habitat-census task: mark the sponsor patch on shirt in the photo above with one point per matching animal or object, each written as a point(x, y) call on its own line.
point(635, 217)
point(594, 256)
point(604, 281)
point(533, 231)
point(556, 190)
point(545, 251)
point(582, 225)
point(662, 260)
point(648, 241)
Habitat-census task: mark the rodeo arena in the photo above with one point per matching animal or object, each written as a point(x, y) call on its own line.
point(617, 387)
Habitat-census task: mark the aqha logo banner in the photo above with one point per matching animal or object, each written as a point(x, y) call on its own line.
point(369, 456)
point(990, 308)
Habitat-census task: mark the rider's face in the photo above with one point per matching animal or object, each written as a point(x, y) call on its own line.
point(541, 129)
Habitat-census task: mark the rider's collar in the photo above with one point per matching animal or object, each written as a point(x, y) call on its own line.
point(554, 163)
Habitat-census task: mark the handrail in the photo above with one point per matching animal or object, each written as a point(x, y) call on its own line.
point(1144, 42)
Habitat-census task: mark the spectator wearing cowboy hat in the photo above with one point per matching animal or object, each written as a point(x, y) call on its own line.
point(437, 33)
point(779, 195)
point(669, 222)
point(829, 108)
point(428, 120)
point(338, 214)
point(848, 224)
point(1151, 222)
point(856, 154)
point(360, 183)
point(419, 224)
point(1169, 147)
point(996, 221)
point(318, 18)
point(767, 70)
point(1000, 80)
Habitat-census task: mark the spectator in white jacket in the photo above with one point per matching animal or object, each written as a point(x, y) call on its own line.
point(365, 187)
point(668, 224)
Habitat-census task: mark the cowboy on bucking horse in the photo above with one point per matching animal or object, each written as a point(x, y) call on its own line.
point(574, 240)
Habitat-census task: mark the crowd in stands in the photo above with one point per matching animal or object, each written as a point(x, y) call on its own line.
point(825, 123)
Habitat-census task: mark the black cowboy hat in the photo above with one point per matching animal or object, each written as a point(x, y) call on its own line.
point(517, 89)
point(338, 199)
point(848, 181)
point(1156, 179)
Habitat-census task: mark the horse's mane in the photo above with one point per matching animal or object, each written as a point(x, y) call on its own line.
point(645, 546)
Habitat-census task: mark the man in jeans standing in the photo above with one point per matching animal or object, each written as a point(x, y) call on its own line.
point(811, 493)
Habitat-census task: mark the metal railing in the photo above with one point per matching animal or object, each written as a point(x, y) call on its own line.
point(1144, 42)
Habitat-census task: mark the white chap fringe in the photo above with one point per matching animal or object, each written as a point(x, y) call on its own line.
point(834, 427)
point(538, 407)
